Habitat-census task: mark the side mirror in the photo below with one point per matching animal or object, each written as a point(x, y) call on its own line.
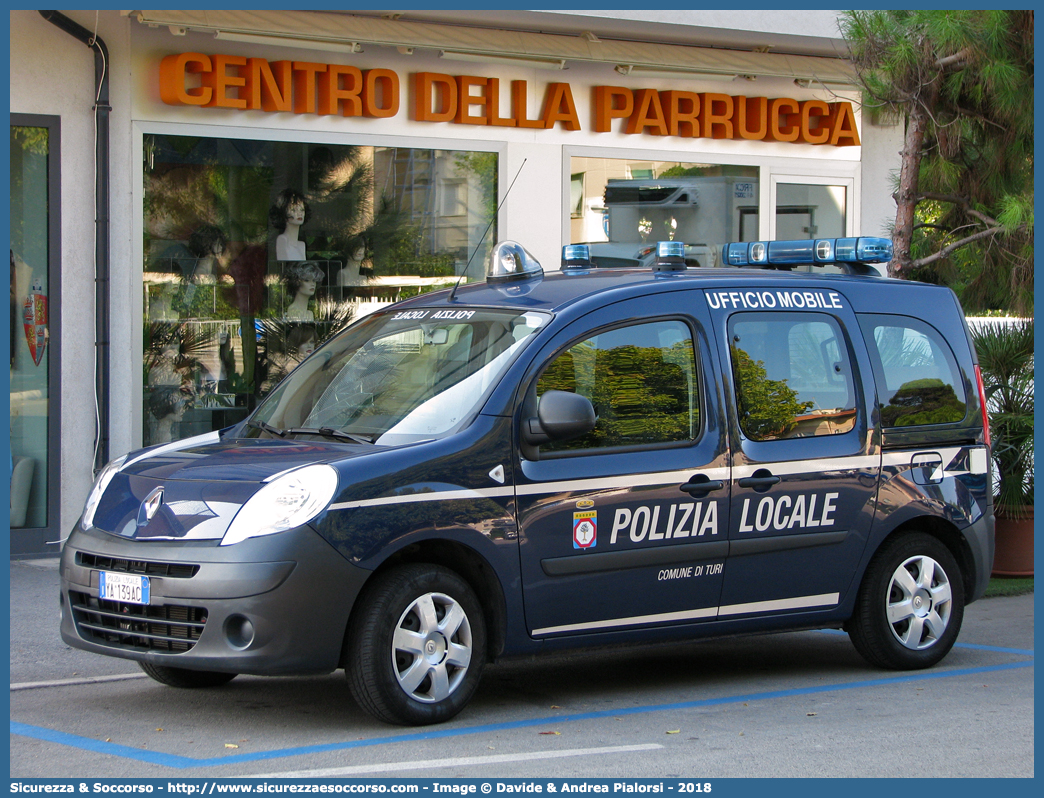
point(561, 416)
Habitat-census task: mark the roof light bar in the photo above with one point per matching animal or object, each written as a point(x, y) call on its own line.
point(817, 251)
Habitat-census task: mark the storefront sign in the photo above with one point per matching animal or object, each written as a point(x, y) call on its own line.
point(306, 87)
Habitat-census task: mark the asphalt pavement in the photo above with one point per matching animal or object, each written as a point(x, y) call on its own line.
point(799, 704)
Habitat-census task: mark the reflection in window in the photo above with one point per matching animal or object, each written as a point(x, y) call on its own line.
point(256, 252)
point(641, 381)
point(31, 150)
point(792, 374)
point(920, 383)
point(625, 207)
point(392, 380)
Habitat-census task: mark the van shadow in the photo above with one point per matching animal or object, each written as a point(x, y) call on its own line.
point(263, 713)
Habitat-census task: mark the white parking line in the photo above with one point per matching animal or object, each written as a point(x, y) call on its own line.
point(464, 761)
point(84, 680)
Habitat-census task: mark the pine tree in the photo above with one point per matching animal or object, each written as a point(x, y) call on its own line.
point(963, 81)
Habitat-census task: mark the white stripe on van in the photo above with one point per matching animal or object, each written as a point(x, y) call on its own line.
point(775, 605)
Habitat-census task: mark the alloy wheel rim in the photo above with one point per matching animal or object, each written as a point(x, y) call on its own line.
point(431, 648)
point(919, 603)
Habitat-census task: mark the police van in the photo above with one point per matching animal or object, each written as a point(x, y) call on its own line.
point(537, 462)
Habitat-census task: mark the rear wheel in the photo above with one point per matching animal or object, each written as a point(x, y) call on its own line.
point(910, 604)
point(416, 646)
point(182, 677)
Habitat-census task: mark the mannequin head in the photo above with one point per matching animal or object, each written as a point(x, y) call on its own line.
point(302, 278)
point(167, 402)
point(300, 341)
point(290, 206)
point(358, 251)
point(166, 409)
point(206, 241)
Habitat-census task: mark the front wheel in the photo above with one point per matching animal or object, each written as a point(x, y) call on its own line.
point(182, 677)
point(416, 646)
point(910, 604)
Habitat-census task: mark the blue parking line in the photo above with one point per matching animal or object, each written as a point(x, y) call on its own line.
point(1024, 652)
point(974, 646)
point(184, 762)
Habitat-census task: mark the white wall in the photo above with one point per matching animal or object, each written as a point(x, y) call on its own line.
point(881, 149)
point(53, 74)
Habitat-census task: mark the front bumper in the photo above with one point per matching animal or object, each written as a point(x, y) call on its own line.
point(272, 605)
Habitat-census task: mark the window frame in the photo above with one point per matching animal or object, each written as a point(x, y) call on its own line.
point(700, 393)
point(815, 178)
point(34, 541)
point(844, 343)
point(867, 323)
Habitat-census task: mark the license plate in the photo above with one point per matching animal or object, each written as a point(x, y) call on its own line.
point(128, 588)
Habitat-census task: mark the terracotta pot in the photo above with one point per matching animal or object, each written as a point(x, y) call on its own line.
point(1014, 554)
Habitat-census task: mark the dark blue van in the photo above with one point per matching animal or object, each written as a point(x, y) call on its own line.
point(542, 461)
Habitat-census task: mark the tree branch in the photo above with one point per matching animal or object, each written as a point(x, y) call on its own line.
point(982, 217)
point(955, 61)
point(942, 253)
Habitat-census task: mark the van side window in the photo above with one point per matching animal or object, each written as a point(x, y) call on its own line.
point(918, 382)
point(641, 380)
point(793, 375)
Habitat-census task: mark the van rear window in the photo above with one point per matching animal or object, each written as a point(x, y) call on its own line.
point(918, 381)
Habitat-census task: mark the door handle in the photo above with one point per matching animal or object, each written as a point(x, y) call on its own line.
point(762, 479)
point(697, 486)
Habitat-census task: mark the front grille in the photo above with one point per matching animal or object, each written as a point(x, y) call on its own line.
point(175, 570)
point(156, 627)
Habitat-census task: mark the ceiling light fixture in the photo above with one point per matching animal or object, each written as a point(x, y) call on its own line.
point(330, 46)
point(536, 62)
point(676, 74)
point(814, 83)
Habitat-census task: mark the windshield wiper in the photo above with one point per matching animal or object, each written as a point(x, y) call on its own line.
point(330, 432)
point(261, 425)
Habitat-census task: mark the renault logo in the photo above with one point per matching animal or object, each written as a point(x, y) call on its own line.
point(150, 506)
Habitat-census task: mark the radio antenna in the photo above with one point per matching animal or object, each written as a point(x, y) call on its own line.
point(496, 213)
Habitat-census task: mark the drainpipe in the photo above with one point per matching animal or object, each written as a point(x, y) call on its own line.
point(102, 67)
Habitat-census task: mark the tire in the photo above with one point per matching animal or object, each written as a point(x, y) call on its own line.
point(416, 646)
point(910, 605)
point(182, 677)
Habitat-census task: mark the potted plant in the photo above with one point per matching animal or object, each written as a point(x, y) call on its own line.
point(1005, 352)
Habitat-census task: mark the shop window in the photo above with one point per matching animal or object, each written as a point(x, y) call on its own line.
point(256, 252)
point(792, 374)
point(627, 206)
point(34, 339)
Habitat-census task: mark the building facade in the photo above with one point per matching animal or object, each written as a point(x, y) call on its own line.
point(201, 198)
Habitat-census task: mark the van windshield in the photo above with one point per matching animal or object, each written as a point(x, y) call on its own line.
point(398, 377)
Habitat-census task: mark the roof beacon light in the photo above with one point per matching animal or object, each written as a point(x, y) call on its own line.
point(818, 251)
point(576, 256)
point(510, 261)
point(670, 256)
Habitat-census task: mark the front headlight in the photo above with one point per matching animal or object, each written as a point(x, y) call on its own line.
point(100, 484)
point(289, 501)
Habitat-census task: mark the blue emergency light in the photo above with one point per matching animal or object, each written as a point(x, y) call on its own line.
point(576, 256)
point(670, 256)
point(817, 251)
